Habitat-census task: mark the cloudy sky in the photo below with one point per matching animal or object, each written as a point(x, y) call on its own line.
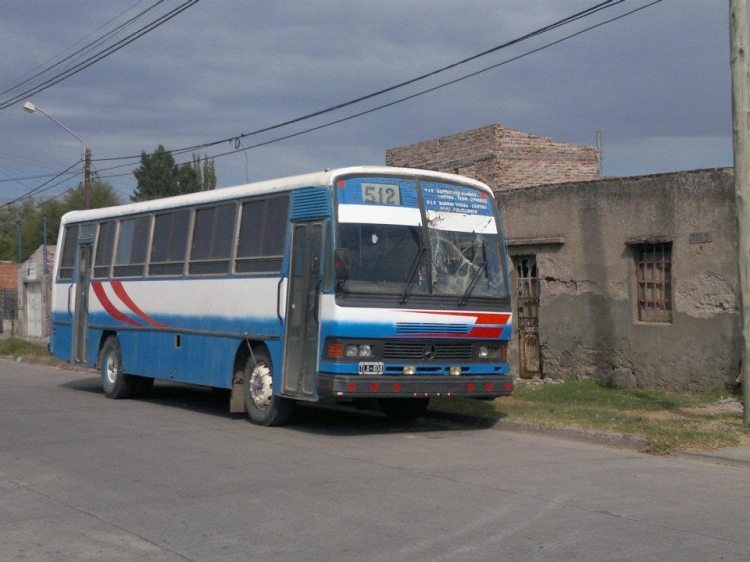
point(656, 84)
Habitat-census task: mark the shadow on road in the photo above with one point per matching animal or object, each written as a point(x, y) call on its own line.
point(312, 418)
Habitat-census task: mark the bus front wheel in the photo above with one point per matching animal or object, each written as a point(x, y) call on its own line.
point(115, 382)
point(263, 407)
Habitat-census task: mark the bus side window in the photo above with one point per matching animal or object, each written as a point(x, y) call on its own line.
point(69, 253)
point(212, 240)
point(169, 245)
point(132, 243)
point(262, 238)
point(105, 243)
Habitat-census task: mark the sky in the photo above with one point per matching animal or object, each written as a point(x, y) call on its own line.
point(655, 84)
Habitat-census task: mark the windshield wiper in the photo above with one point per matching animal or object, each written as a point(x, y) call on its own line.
point(473, 283)
point(412, 275)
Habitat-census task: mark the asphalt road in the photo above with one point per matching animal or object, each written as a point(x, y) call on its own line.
point(177, 478)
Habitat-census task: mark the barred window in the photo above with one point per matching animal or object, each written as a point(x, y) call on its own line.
point(654, 273)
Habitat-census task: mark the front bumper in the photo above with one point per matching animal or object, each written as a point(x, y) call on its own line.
point(385, 386)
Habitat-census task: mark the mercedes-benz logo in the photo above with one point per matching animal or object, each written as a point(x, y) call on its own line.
point(429, 352)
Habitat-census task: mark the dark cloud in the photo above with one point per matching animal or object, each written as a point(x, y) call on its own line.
point(656, 84)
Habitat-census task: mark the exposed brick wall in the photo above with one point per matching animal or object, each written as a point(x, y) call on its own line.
point(502, 158)
point(8, 275)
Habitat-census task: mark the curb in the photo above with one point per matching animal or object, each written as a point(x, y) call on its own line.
point(719, 457)
point(619, 440)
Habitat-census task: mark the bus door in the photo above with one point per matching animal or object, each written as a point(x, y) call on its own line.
point(81, 302)
point(301, 338)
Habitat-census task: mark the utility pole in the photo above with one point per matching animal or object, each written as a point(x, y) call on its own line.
point(738, 49)
point(86, 178)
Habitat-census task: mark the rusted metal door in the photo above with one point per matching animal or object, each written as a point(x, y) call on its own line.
point(528, 317)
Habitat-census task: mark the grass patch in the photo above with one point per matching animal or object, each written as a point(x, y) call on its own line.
point(28, 352)
point(666, 420)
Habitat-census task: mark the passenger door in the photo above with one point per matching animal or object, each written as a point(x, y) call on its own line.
point(302, 322)
point(81, 315)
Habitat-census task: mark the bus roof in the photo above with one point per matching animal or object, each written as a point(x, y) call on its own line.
point(315, 179)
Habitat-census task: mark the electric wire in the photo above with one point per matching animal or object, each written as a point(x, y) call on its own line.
point(99, 56)
point(574, 17)
point(37, 190)
point(85, 48)
point(565, 21)
point(409, 97)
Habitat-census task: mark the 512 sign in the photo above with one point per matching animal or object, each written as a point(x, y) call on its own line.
point(381, 194)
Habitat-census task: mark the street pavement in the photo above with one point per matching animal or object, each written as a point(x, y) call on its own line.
point(177, 478)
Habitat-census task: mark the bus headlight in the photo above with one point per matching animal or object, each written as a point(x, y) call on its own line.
point(365, 351)
point(352, 351)
point(489, 352)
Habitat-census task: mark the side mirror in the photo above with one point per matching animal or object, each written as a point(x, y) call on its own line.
point(341, 264)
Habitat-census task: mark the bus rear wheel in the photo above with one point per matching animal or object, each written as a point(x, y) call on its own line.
point(403, 408)
point(263, 407)
point(115, 382)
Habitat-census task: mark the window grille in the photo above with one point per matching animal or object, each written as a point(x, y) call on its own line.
point(654, 271)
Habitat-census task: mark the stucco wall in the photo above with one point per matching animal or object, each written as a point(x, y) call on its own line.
point(588, 322)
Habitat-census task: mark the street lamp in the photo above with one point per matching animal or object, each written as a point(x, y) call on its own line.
point(30, 107)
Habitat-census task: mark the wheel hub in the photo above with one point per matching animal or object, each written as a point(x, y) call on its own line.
point(261, 386)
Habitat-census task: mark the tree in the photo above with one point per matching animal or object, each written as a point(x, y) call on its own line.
point(154, 176)
point(159, 176)
point(101, 194)
point(31, 212)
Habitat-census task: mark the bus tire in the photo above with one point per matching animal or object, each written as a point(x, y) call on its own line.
point(403, 408)
point(263, 407)
point(115, 382)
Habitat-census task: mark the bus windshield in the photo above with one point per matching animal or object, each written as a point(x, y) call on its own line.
point(456, 253)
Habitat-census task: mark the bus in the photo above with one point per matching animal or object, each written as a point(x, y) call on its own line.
point(372, 284)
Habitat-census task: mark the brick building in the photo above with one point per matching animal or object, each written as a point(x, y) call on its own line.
point(502, 158)
point(8, 275)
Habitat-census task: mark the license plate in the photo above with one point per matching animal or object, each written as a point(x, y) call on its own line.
point(370, 368)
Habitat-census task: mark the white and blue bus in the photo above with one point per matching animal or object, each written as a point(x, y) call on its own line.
point(356, 283)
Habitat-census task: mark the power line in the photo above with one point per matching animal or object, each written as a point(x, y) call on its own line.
point(99, 56)
point(84, 48)
point(565, 21)
point(575, 17)
point(412, 96)
point(37, 190)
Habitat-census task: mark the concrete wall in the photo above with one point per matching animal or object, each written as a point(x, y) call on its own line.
point(582, 235)
point(500, 157)
point(32, 272)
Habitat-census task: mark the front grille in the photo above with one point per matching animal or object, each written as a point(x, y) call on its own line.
point(412, 351)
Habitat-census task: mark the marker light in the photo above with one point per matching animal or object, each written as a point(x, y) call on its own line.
point(455, 371)
point(410, 370)
point(335, 350)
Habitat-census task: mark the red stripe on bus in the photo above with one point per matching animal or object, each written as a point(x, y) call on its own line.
point(484, 318)
point(125, 298)
point(108, 306)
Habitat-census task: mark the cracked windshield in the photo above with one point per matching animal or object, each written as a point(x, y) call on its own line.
point(390, 250)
